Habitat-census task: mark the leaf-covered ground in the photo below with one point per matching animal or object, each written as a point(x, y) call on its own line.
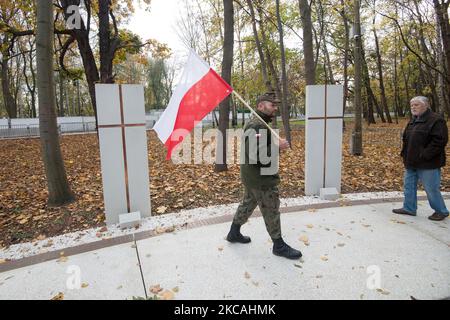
point(24, 215)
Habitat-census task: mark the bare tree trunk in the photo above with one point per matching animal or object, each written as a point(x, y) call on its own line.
point(10, 104)
point(233, 112)
point(78, 97)
point(61, 94)
point(441, 66)
point(369, 116)
point(284, 102)
point(370, 94)
point(421, 83)
point(33, 91)
point(234, 121)
point(16, 83)
point(227, 63)
point(329, 77)
point(31, 84)
point(67, 98)
point(426, 55)
point(380, 75)
point(218, 12)
point(406, 82)
point(270, 64)
point(59, 191)
point(395, 80)
point(205, 32)
point(327, 61)
point(262, 59)
point(207, 49)
point(87, 56)
point(106, 51)
point(441, 10)
point(215, 120)
point(444, 24)
point(395, 84)
point(346, 57)
point(308, 50)
point(357, 131)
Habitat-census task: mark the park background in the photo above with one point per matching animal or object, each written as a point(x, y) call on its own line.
point(257, 46)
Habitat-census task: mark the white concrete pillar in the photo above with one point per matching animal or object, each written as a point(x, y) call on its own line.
point(123, 150)
point(323, 138)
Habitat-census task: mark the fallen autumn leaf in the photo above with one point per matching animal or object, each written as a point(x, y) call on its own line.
point(59, 296)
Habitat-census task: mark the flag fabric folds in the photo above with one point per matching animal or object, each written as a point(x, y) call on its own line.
point(199, 91)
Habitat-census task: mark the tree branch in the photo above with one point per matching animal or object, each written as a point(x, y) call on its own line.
point(64, 49)
point(128, 45)
point(411, 49)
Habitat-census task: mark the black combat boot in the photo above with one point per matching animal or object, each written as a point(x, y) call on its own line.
point(235, 234)
point(280, 248)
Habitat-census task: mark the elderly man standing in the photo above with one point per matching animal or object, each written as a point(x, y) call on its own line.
point(423, 152)
point(259, 175)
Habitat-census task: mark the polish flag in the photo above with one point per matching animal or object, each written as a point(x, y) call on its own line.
point(199, 91)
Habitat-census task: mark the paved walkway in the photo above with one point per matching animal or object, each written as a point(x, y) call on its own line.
point(351, 252)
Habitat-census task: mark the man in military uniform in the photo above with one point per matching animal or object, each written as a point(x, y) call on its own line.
point(260, 179)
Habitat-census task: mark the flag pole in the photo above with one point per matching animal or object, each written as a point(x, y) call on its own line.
point(257, 115)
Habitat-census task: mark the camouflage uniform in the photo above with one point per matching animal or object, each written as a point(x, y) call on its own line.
point(259, 189)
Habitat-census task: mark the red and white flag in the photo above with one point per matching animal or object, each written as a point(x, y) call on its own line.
point(199, 91)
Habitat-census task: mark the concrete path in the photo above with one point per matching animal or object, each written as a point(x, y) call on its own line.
point(351, 252)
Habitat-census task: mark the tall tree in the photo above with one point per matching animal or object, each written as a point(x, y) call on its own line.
point(239, 30)
point(8, 97)
point(405, 76)
point(380, 73)
point(441, 10)
point(395, 85)
point(59, 191)
point(110, 39)
point(329, 77)
point(308, 51)
point(7, 42)
point(357, 131)
point(426, 70)
point(442, 97)
point(371, 99)
point(284, 100)
point(262, 59)
point(159, 83)
point(269, 58)
point(227, 64)
point(345, 20)
point(424, 65)
point(395, 80)
point(13, 16)
point(81, 35)
point(30, 83)
point(107, 49)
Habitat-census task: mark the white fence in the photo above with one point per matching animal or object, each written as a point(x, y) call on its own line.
point(29, 127)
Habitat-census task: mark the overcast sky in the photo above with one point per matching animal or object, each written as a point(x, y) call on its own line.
point(159, 23)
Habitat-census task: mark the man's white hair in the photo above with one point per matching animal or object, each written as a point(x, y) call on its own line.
point(421, 99)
